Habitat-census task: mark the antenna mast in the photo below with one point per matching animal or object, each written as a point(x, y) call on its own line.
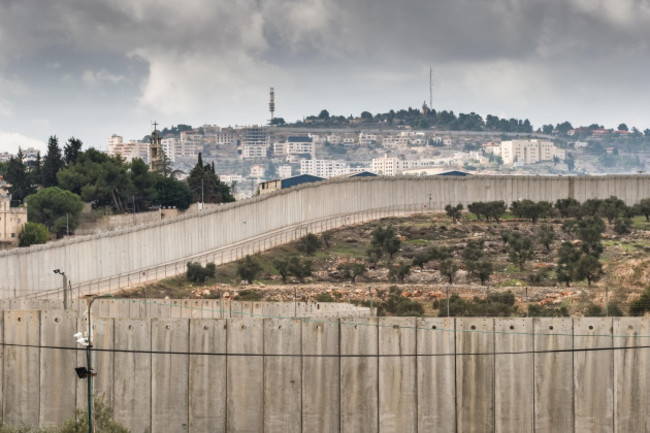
point(430, 87)
point(272, 103)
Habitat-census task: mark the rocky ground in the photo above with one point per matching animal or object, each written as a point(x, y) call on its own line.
point(626, 268)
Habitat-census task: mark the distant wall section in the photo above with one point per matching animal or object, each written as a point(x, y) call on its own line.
point(225, 233)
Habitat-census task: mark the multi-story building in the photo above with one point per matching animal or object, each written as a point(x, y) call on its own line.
point(385, 166)
point(324, 167)
point(129, 149)
point(191, 143)
point(367, 139)
point(284, 171)
point(169, 145)
point(257, 171)
point(526, 151)
point(295, 145)
point(254, 142)
point(231, 178)
point(12, 219)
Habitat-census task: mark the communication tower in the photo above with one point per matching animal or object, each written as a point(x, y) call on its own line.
point(272, 103)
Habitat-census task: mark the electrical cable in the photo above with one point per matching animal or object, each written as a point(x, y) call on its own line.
point(326, 355)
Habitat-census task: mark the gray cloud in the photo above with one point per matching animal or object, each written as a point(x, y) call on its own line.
point(213, 61)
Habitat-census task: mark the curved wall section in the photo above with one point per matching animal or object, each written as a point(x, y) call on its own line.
point(126, 257)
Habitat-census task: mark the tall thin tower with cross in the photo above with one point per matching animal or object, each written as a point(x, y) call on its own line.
point(155, 147)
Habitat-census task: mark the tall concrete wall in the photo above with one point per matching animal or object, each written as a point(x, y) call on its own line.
point(128, 257)
point(133, 308)
point(340, 375)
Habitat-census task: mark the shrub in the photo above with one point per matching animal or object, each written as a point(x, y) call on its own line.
point(197, 274)
point(324, 297)
point(309, 244)
point(641, 305)
point(249, 295)
point(398, 305)
point(248, 269)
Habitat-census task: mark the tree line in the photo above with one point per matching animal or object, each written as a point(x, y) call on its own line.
point(56, 187)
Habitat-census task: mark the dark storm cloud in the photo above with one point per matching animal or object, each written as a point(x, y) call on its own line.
point(215, 59)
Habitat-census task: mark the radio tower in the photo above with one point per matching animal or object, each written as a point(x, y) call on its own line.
point(272, 103)
point(430, 87)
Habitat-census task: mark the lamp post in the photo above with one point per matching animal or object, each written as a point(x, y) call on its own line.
point(88, 372)
point(65, 287)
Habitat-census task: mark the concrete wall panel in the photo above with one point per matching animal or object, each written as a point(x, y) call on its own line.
point(436, 378)
point(207, 382)
point(57, 374)
point(593, 375)
point(475, 374)
point(359, 369)
point(245, 370)
point(631, 377)
point(282, 376)
point(169, 378)
point(554, 397)
point(513, 375)
point(398, 387)
point(320, 377)
point(132, 374)
point(21, 393)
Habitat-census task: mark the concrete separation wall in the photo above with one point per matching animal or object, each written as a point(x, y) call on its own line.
point(133, 308)
point(128, 257)
point(338, 375)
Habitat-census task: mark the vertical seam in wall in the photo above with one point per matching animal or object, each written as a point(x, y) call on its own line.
point(151, 324)
point(455, 377)
point(300, 374)
point(494, 375)
point(189, 372)
point(613, 372)
point(40, 350)
point(376, 320)
point(225, 403)
point(263, 375)
point(534, 390)
point(338, 321)
point(573, 374)
point(417, 388)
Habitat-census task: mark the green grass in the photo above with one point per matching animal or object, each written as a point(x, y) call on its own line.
point(417, 242)
point(512, 283)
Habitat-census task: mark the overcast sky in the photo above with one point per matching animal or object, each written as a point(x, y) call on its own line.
point(92, 68)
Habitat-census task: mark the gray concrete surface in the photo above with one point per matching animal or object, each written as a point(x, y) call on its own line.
point(333, 375)
point(129, 257)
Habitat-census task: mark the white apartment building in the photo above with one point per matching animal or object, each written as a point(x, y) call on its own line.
point(367, 139)
point(191, 143)
point(526, 151)
point(284, 171)
point(395, 141)
point(295, 145)
point(324, 167)
point(257, 171)
point(230, 178)
point(129, 149)
point(254, 142)
point(334, 139)
point(169, 145)
point(385, 166)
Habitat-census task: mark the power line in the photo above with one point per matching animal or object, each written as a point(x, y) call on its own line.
point(327, 355)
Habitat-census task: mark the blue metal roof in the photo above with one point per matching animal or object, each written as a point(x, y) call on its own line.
point(300, 179)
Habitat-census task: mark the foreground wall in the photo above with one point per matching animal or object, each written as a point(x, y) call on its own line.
point(148, 252)
point(340, 375)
